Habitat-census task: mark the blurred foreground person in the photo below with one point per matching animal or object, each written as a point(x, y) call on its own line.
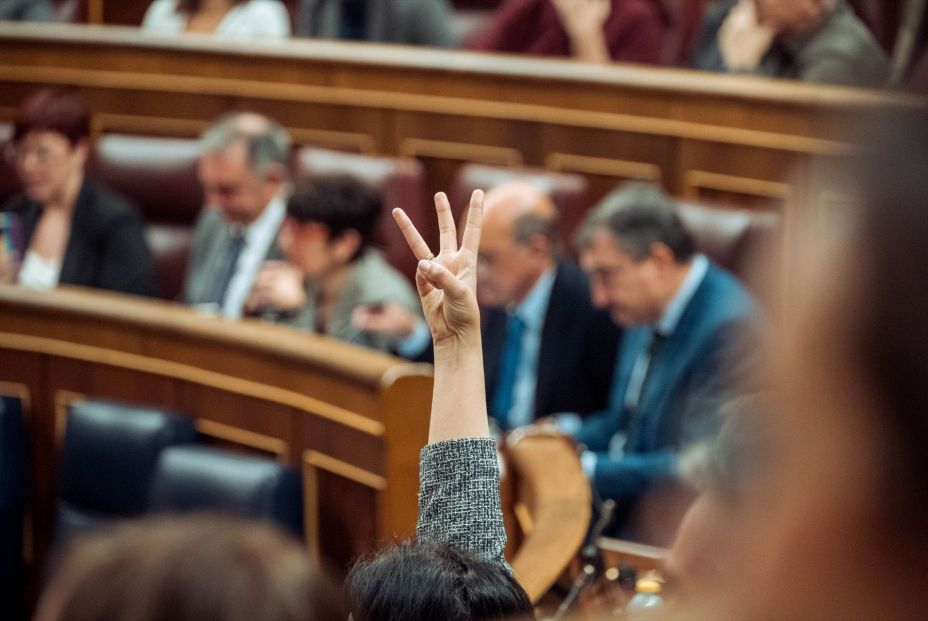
point(27, 10)
point(838, 529)
point(75, 230)
point(408, 22)
point(189, 569)
point(808, 40)
point(455, 570)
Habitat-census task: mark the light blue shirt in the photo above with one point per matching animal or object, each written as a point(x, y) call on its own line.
point(532, 312)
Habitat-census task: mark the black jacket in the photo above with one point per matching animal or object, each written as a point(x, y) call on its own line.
point(578, 348)
point(106, 247)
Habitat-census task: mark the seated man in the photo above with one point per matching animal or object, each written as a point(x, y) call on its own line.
point(682, 315)
point(546, 350)
point(244, 173)
point(808, 40)
point(589, 30)
point(410, 22)
point(331, 268)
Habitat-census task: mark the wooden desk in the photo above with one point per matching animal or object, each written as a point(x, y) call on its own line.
point(351, 420)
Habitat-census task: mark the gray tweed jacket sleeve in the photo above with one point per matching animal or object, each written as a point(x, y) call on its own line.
point(459, 500)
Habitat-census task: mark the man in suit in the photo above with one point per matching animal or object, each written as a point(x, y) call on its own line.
point(546, 350)
point(809, 40)
point(244, 173)
point(684, 319)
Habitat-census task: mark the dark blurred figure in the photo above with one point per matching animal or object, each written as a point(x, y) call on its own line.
point(837, 531)
point(589, 30)
point(27, 10)
point(190, 569)
point(808, 40)
point(412, 22)
point(75, 230)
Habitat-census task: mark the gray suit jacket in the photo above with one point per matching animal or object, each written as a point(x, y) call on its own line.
point(840, 51)
point(210, 239)
point(372, 281)
point(27, 10)
point(414, 22)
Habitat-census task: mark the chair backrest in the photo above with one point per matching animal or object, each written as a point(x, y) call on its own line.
point(205, 479)
point(108, 459)
point(400, 180)
point(71, 11)
point(14, 474)
point(9, 180)
point(160, 175)
point(569, 191)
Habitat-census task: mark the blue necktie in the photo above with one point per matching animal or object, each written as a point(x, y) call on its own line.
point(508, 366)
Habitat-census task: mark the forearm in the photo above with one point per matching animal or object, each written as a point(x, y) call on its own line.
point(459, 408)
point(590, 47)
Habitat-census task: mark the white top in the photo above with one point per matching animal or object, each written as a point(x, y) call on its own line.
point(253, 19)
point(259, 235)
point(38, 272)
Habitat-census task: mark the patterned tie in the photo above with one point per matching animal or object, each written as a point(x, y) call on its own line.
point(227, 268)
point(509, 365)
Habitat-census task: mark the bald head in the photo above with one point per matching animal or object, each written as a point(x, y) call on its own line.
point(518, 243)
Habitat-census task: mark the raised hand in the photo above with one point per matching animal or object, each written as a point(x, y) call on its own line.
point(742, 40)
point(447, 281)
point(583, 20)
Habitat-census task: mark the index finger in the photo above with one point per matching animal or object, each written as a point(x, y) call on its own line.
point(471, 239)
point(418, 246)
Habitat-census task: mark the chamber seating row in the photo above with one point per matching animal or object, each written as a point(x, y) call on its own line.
point(159, 174)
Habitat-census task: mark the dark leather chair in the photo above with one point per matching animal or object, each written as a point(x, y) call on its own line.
point(734, 237)
point(570, 192)
point(108, 459)
point(160, 175)
point(211, 480)
point(9, 181)
point(400, 180)
point(13, 485)
point(71, 11)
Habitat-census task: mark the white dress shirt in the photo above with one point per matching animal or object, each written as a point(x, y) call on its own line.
point(254, 19)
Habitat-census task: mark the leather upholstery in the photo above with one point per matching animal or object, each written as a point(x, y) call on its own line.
point(568, 191)
point(401, 181)
point(197, 478)
point(108, 459)
point(71, 11)
point(13, 486)
point(160, 175)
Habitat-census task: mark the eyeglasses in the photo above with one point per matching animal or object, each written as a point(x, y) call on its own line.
point(17, 154)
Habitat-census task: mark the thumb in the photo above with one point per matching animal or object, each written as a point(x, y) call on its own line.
point(439, 277)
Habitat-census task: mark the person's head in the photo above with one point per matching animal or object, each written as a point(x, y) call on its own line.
point(331, 220)
point(189, 569)
point(636, 252)
point(789, 16)
point(518, 242)
point(425, 581)
point(243, 165)
point(840, 531)
point(188, 7)
point(51, 142)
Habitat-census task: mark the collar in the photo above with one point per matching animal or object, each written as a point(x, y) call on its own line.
point(681, 299)
point(532, 309)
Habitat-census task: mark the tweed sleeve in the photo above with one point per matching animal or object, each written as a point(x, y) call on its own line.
point(459, 501)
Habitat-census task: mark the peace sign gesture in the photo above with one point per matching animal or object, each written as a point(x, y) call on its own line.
point(447, 282)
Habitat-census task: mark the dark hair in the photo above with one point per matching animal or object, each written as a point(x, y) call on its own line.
point(639, 215)
point(54, 111)
point(426, 581)
point(890, 295)
point(340, 202)
point(192, 6)
point(189, 569)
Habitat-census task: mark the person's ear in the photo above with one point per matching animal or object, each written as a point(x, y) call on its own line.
point(662, 256)
point(276, 175)
point(346, 245)
point(82, 152)
point(539, 246)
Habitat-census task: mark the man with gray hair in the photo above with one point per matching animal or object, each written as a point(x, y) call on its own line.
point(682, 317)
point(244, 172)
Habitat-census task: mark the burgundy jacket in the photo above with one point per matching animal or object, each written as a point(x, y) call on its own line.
point(634, 31)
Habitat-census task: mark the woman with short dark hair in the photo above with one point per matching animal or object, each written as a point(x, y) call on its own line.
point(75, 230)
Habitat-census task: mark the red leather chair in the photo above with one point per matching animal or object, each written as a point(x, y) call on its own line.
point(570, 192)
point(400, 180)
point(159, 174)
